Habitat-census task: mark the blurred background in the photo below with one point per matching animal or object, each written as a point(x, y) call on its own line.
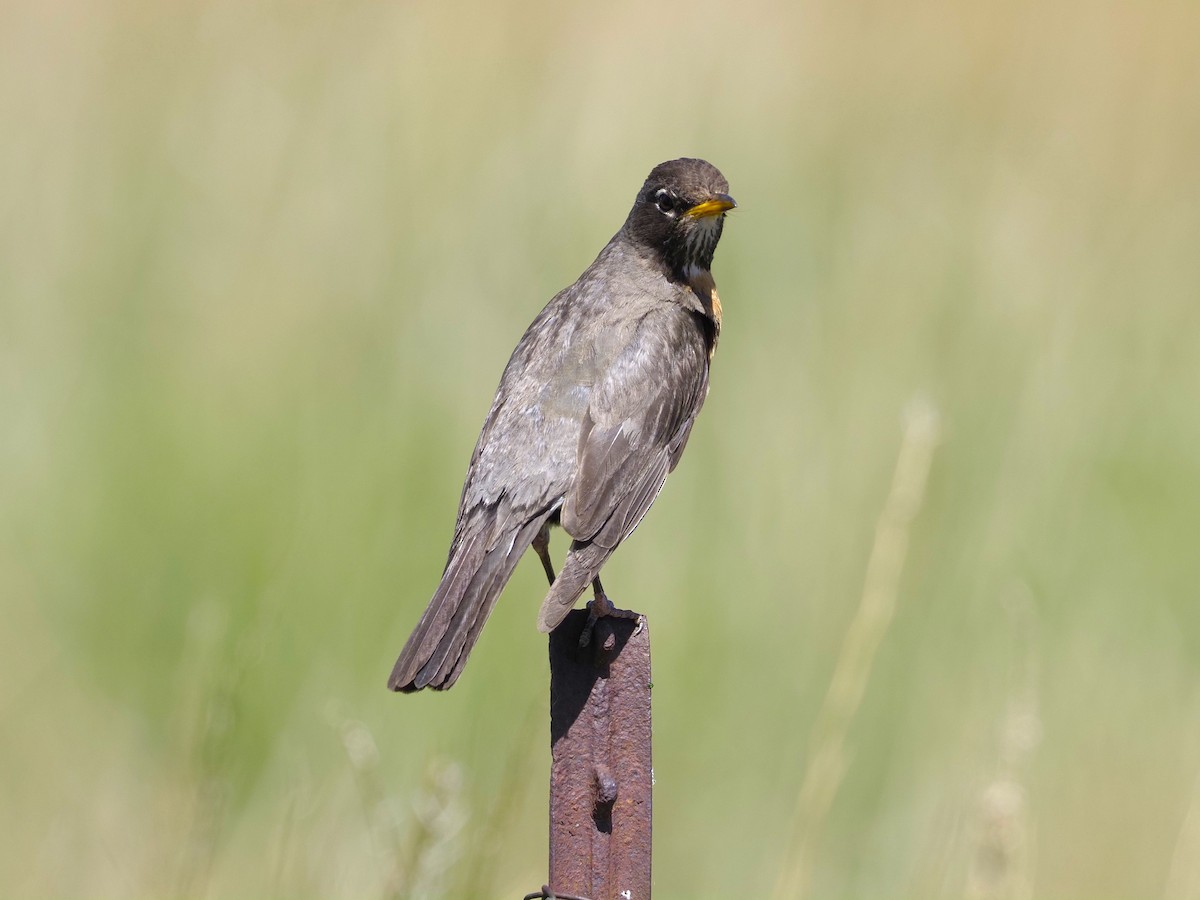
point(260, 268)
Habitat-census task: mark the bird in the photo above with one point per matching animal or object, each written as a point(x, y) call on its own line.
point(593, 411)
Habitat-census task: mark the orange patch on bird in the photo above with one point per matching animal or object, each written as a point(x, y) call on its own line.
point(703, 286)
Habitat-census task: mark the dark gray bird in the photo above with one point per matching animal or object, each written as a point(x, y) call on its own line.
point(593, 411)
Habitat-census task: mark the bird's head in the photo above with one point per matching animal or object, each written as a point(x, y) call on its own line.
point(679, 213)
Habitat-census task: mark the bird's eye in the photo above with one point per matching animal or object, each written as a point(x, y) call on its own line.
point(664, 201)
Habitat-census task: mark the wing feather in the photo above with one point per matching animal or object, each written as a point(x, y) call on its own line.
point(635, 427)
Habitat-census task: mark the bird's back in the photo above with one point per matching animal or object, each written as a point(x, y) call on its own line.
point(527, 450)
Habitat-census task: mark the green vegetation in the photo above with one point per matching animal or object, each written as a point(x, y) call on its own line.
point(260, 268)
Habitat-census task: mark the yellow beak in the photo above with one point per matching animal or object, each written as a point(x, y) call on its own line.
point(714, 206)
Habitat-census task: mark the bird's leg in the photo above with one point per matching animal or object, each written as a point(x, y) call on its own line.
point(541, 544)
point(600, 607)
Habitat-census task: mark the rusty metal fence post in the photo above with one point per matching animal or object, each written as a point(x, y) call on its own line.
point(600, 778)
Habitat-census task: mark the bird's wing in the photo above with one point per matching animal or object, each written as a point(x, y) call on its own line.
point(525, 455)
point(636, 424)
point(519, 472)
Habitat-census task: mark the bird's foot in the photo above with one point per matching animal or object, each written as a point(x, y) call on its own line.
point(601, 608)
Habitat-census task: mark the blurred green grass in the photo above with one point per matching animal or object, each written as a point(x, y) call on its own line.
point(260, 267)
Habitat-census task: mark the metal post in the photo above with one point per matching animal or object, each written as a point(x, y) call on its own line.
point(600, 776)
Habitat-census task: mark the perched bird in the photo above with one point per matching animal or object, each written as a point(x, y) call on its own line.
point(593, 411)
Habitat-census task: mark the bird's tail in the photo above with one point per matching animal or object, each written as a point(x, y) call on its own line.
point(580, 567)
point(475, 575)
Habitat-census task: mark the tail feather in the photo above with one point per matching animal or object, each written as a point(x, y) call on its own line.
point(437, 650)
point(434, 621)
point(581, 566)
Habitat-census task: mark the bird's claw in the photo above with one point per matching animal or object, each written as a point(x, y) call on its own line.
point(601, 608)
